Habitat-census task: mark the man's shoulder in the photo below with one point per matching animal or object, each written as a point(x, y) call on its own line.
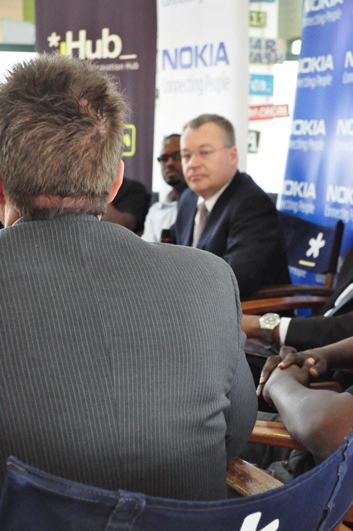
point(188, 197)
point(155, 207)
point(243, 183)
point(242, 195)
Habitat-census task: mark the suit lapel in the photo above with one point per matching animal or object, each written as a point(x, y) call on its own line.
point(188, 229)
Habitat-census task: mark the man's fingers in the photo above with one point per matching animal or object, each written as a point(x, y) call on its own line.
point(269, 367)
point(259, 389)
point(285, 351)
point(313, 372)
point(292, 359)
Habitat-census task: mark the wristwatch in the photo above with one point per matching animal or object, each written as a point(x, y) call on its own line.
point(268, 323)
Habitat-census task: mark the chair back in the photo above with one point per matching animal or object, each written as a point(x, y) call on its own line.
point(317, 500)
point(310, 246)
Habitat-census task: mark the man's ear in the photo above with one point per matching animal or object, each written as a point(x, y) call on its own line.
point(117, 183)
point(234, 155)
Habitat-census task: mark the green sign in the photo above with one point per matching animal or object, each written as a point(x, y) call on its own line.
point(28, 10)
point(258, 19)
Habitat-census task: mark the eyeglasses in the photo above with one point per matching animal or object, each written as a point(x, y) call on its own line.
point(174, 156)
point(204, 153)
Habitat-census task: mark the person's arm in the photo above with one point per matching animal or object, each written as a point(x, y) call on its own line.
point(317, 331)
point(319, 360)
point(252, 241)
point(335, 356)
point(320, 420)
point(250, 325)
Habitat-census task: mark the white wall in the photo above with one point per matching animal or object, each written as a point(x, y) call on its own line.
point(267, 167)
point(8, 59)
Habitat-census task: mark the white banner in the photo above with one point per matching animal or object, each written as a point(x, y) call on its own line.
point(202, 67)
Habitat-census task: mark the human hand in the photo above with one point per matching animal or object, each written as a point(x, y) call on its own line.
point(270, 365)
point(314, 359)
point(299, 374)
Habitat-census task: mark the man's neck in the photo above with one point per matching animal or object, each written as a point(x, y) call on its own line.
point(176, 192)
point(10, 215)
point(210, 201)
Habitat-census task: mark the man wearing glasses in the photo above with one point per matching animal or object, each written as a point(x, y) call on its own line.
point(225, 212)
point(162, 215)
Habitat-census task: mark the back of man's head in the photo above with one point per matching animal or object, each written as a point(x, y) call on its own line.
point(61, 136)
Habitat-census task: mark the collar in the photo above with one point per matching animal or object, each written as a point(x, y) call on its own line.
point(61, 217)
point(210, 203)
point(168, 199)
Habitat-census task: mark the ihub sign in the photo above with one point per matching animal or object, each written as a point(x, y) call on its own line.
point(205, 55)
point(109, 46)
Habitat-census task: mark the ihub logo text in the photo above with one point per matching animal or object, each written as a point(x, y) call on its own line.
point(109, 46)
point(205, 55)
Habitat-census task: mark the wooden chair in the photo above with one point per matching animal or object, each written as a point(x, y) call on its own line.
point(282, 304)
point(299, 234)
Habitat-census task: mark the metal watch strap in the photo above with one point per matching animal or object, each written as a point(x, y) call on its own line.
point(267, 335)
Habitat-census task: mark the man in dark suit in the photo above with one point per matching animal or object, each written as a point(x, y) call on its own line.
point(334, 323)
point(224, 211)
point(121, 362)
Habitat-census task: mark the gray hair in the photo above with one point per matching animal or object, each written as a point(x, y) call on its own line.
point(223, 123)
point(61, 136)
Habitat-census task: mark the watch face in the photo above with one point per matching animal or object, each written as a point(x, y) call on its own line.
point(269, 321)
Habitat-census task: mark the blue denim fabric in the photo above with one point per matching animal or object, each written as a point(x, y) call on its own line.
point(36, 501)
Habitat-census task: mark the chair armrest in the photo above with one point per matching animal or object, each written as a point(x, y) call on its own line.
point(274, 434)
point(328, 386)
point(282, 304)
point(288, 290)
point(247, 479)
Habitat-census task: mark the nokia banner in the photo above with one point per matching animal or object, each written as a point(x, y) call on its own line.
point(120, 35)
point(318, 183)
point(200, 69)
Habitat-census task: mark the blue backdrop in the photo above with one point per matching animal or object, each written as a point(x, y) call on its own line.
point(318, 183)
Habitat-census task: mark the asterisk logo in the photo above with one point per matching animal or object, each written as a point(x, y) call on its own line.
point(315, 245)
point(53, 40)
point(251, 522)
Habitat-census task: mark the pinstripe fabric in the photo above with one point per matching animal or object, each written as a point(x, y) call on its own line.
point(121, 361)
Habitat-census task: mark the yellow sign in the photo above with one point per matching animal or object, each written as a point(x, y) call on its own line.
point(129, 140)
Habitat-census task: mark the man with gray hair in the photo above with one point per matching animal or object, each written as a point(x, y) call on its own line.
point(225, 212)
point(121, 367)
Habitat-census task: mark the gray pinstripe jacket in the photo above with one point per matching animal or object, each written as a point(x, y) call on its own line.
point(121, 361)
